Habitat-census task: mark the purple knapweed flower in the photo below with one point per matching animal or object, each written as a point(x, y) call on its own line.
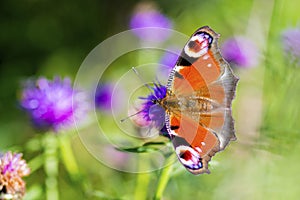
point(151, 111)
point(291, 43)
point(146, 16)
point(103, 96)
point(108, 97)
point(137, 116)
point(12, 169)
point(53, 104)
point(240, 52)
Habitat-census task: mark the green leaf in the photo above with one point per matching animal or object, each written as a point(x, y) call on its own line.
point(145, 148)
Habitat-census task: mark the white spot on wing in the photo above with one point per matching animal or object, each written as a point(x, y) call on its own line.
point(172, 132)
point(199, 149)
point(205, 57)
point(209, 65)
point(178, 68)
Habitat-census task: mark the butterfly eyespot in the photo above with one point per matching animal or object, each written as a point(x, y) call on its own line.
point(205, 36)
point(195, 45)
point(186, 155)
point(198, 45)
point(190, 158)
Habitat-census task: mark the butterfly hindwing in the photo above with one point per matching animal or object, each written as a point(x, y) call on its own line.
point(194, 145)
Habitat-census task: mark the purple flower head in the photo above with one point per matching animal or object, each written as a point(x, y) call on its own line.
point(138, 116)
point(12, 169)
point(145, 17)
point(151, 111)
point(108, 97)
point(240, 52)
point(53, 104)
point(291, 43)
point(103, 96)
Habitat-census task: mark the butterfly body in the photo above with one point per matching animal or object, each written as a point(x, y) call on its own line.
point(200, 90)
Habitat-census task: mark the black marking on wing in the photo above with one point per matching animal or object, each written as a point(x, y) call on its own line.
point(178, 75)
point(174, 127)
point(178, 141)
point(184, 62)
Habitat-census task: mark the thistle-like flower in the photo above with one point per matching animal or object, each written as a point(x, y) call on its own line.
point(151, 111)
point(291, 43)
point(240, 52)
point(12, 169)
point(103, 96)
point(53, 104)
point(145, 16)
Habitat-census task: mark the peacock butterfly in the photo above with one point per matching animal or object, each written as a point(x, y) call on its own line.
point(200, 90)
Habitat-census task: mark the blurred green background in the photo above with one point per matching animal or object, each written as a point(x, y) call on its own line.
point(48, 38)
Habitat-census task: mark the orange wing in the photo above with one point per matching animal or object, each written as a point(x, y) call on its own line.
point(194, 145)
point(204, 85)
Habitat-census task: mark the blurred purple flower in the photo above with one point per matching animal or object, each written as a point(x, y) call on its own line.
point(53, 104)
point(12, 169)
point(103, 96)
point(151, 111)
point(168, 61)
point(115, 158)
point(170, 57)
point(147, 16)
point(291, 42)
point(240, 52)
point(109, 97)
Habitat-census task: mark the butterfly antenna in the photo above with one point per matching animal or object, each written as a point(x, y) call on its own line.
point(124, 119)
point(144, 82)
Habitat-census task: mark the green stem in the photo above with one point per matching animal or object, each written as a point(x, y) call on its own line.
point(271, 69)
point(142, 181)
point(51, 165)
point(164, 178)
point(68, 157)
point(36, 163)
